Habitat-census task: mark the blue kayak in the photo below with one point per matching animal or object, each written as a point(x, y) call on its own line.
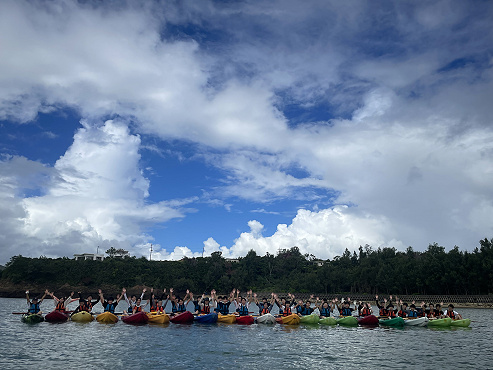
point(206, 319)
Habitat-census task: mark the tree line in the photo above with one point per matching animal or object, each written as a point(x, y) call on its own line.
point(371, 271)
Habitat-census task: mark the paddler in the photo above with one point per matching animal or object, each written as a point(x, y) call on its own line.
point(344, 308)
point(131, 302)
point(138, 307)
point(365, 310)
point(412, 314)
point(110, 304)
point(264, 307)
point(178, 304)
point(284, 305)
point(242, 304)
point(438, 310)
point(223, 302)
point(80, 308)
point(33, 306)
point(403, 311)
point(382, 308)
point(156, 306)
point(88, 303)
point(62, 302)
point(454, 315)
point(325, 309)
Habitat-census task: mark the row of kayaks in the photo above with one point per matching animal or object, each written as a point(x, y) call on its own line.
point(187, 317)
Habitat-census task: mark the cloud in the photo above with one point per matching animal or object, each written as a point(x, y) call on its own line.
point(406, 137)
point(95, 195)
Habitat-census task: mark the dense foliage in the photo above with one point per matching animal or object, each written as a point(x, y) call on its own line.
point(386, 270)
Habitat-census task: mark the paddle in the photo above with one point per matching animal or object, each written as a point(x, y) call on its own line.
point(20, 313)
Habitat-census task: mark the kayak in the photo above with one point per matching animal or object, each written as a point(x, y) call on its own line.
point(441, 323)
point(182, 318)
point(136, 318)
point(328, 321)
point(420, 321)
point(370, 320)
point(309, 319)
point(245, 320)
point(226, 319)
point(347, 321)
point(210, 318)
point(463, 323)
point(82, 316)
point(395, 322)
point(107, 318)
point(292, 319)
point(158, 318)
point(31, 318)
point(266, 319)
point(56, 316)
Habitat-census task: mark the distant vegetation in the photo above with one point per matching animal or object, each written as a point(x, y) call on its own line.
point(386, 270)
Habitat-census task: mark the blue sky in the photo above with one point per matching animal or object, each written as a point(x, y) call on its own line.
point(229, 126)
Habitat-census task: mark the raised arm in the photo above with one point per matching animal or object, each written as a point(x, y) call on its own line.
point(101, 298)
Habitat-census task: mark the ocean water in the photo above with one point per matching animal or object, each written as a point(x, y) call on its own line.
point(221, 346)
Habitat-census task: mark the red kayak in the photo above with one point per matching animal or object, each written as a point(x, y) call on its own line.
point(56, 316)
point(136, 318)
point(245, 320)
point(368, 320)
point(182, 318)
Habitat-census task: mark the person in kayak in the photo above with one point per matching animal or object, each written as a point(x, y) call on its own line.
point(110, 304)
point(365, 309)
point(325, 309)
point(284, 306)
point(430, 311)
point(454, 315)
point(382, 308)
point(264, 307)
point(344, 308)
point(242, 304)
point(80, 308)
point(222, 303)
point(178, 304)
point(412, 314)
point(133, 299)
point(62, 302)
point(156, 305)
point(88, 303)
point(138, 307)
point(307, 307)
point(33, 306)
point(390, 310)
point(437, 312)
point(403, 311)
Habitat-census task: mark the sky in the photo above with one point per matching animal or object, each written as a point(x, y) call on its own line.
point(203, 126)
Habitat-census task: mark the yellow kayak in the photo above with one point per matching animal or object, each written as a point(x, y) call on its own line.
point(82, 317)
point(226, 319)
point(107, 318)
point(293, 319)
point(158, 318)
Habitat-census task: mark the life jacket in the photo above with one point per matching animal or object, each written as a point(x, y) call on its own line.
point(346, 312)
point(179, 308)
point(206, 309)
point(286, 311)
point(390, 313)
point(110, 307)
point(365, 312)
point(299, 309)
point(383, 311)
point(450, 314)
point(307, 311)
point(437, 313)
point(137, 309)
point(413, 314)
point(158, 309)
point(264, 311)
point(60, 306)
point(421, 312)
point(87, 306)
point(429, 314)
point(33, 308)
point(197, 306)
point(402, 313)
point(242, 310)
point(325, 312)
point(223, 308)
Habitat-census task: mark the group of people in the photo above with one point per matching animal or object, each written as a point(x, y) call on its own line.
point(243, 304)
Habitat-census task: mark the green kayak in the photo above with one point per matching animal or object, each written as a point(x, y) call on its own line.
point(328, 321)
point(348, 321)
point(396, 322)
point(440, 323)
point(32, 318)
point(462, 323)
point(309, 319)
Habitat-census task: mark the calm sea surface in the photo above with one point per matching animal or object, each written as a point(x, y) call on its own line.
point(220, 346)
